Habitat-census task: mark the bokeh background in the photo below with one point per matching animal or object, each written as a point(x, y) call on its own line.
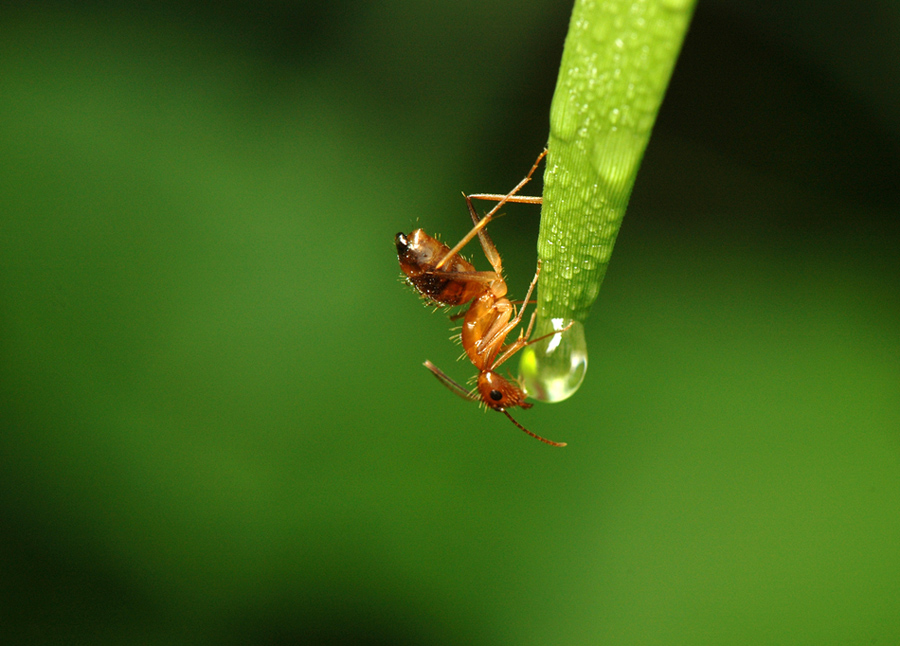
point(216, 428)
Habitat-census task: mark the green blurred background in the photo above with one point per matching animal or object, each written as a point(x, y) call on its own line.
point(216, 428)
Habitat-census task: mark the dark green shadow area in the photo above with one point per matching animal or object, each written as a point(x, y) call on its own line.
point(216, 428)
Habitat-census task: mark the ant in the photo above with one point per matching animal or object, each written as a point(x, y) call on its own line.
point(441, 275)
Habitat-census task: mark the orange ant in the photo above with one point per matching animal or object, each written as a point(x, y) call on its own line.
point(440, 274)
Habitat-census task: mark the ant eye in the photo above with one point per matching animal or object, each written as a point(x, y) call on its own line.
point(401, 242)
point(496, 395)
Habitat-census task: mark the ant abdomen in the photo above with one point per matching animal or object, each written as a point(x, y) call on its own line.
point(419, 254)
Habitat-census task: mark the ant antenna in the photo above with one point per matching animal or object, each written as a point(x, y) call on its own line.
point(449, 383)
point(534, 435)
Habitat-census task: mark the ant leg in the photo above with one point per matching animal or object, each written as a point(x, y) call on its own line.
point(487, 245)
point(518, 187)
point(495, 336)
point(486, 277)
point(518, 199)
point(521, 313)
point(522, 341)
point(480, 224)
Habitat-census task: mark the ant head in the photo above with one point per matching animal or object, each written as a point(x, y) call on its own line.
point(500, 393)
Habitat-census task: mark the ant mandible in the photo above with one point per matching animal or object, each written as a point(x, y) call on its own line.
point(441, 275)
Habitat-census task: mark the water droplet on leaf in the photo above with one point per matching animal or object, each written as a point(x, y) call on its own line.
point(552, 370)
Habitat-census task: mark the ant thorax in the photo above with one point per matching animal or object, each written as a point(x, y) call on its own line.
point(482, 328)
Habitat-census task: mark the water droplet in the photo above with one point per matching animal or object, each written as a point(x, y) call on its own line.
point(552, 370)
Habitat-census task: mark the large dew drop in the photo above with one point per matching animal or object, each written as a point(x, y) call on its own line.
point(553, 369)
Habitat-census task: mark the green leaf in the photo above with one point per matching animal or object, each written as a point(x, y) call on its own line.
point(618, 58)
